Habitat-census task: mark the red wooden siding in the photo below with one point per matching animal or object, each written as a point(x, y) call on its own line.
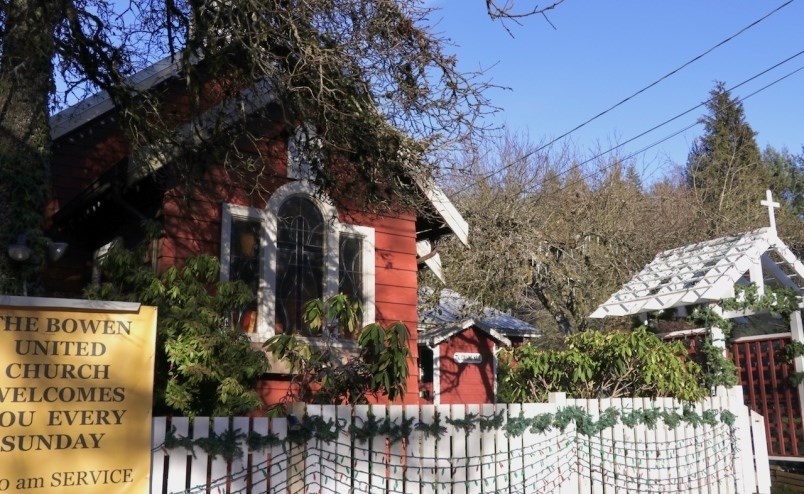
point(194, 227)
point(466, 382)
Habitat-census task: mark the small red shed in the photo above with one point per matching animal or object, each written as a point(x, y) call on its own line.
point(458, 345)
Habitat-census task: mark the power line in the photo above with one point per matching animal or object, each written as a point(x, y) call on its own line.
point(656, 143)
point(640, 91)
point(699, 105)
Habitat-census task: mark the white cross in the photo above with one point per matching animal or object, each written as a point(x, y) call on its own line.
point(771, 206)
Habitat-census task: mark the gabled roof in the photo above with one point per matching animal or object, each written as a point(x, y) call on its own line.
point(98, 104)
point(101, 103)
point(707, 272)
point(454, 314)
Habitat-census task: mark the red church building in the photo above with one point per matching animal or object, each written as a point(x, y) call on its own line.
point(289, 246)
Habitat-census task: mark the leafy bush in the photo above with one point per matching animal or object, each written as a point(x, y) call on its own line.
point(600, 365)
point(204, 365)
point(329, 370)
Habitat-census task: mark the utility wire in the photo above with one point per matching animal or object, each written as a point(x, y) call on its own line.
point(699, 105)
point(654, 144)
point(640, 91)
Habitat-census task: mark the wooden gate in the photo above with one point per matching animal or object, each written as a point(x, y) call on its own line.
point(767, 390)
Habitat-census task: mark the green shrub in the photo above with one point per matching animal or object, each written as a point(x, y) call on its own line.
point(204, 364)
point(596, 364)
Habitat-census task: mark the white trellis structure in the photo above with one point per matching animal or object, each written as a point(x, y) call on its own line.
point(706, 273)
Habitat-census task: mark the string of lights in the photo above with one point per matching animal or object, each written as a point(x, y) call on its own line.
point(669, 465)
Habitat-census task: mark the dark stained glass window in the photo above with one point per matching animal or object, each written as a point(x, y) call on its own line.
point(244, 265)
point(244, 259)
point(300, 261)
point(350, 269)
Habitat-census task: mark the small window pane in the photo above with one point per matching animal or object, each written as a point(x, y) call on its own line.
point(244, 259)
point(350, 269)
point(244, 265)
point(425, 365)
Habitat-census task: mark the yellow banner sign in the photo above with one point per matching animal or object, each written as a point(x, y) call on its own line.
point(76, 380)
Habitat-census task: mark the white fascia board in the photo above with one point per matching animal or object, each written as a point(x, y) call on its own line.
point(600, 313)
point(445, 209)
point(424, 248)
point(96, 105)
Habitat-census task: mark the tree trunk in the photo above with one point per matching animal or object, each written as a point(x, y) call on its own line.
point(26, 81)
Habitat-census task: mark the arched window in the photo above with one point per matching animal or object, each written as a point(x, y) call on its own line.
point(300, 249)
point(302, 252)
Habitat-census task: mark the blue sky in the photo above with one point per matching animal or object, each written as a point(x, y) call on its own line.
point(605, 50)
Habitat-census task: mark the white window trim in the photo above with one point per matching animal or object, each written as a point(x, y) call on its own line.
point(229, 213)
point(266, 293)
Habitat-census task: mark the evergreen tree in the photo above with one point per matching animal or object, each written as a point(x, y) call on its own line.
point(725, 169)
point(787, 171)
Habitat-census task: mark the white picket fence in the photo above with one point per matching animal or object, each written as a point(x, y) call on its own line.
point(715, 458)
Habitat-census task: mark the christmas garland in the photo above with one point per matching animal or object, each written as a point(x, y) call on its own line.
point(719, 370)
point(228, 444)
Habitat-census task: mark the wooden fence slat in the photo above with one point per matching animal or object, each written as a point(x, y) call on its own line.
point(158, 433)
point(516, 460)
point(413, 453)
point(488, 448)
point(665, 462)
point(474, 477)
point(565, 477)
point(649, 448)
point(607, 451)
point(219, 466)
point(198, 468)
point(361, 457)
point(730, 475)
point(690, 481)
point(428, 461)
point(344, 468)
point(396, 455)
point(502, 463)
point(259, 459)
point(760, 449)
point(240, 474)
point(444, 460)
point(329, 452)
point(593, 476)
point(379, 458)
point(312, 458)
point(177, 462)
point(458, 457)
point(279, 461)
point(744, 458)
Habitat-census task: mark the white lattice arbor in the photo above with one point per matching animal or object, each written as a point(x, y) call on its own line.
point(707, 273)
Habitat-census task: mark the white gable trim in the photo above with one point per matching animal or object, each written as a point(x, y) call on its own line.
point(445, 209)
